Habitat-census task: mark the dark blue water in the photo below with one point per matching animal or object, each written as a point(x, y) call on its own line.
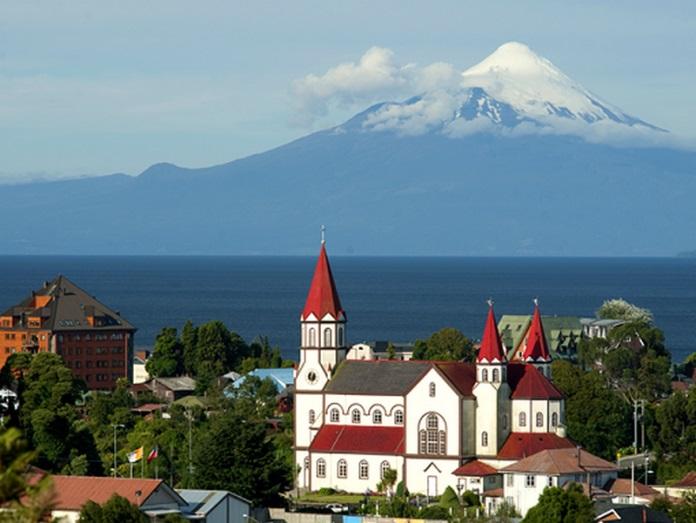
point(385, 298)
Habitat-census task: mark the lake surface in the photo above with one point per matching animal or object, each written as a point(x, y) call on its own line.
point(395, 298)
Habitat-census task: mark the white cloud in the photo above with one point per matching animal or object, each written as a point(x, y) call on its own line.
point(375, 77)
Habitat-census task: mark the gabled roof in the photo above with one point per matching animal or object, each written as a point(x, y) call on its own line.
point(491, 349)
point(176, 384)
point(72, 492)
point(622, 486)
point(359, 439)
point(322, 298)
point(64, 307)
point(462, 375)
point(688, 481)
point(561, 461)
point(282, 378)
point(634, 514)
point(202, 502)
point(527, 382)
point(536, 349)
point(475, 468)
point(519, 445)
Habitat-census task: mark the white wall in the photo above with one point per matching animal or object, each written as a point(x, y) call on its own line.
point(418, 470)
point(353, 483)
point(366, 405)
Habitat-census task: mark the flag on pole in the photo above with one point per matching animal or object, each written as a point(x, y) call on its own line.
point(152, 455)
point(136, 455)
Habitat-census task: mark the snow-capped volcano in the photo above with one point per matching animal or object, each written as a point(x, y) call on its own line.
point(512, 89)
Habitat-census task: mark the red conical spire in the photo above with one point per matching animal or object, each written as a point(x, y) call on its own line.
point(322, 298)
point(536, 349)
point(491, 348)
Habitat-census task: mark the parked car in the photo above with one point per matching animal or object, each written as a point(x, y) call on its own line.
point(337, 508)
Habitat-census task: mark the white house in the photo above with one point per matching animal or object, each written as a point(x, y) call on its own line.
point(438, 424)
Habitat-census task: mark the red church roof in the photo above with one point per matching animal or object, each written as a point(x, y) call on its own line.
point(475, 468)
point(491, 348)
point(527, 382)
point(359, 440)
point(322, 298)
point(536, 348)
point(519, 445)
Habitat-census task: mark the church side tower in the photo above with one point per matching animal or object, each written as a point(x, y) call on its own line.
point(536, 351)
point(493, 423)
point(322, 348)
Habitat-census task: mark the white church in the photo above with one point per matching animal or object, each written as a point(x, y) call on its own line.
point(494, 427)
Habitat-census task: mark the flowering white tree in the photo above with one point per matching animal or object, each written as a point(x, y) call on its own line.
point(620, 309)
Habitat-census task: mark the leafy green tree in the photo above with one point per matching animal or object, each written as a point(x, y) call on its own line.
point(449, 498)
point(620, 309)
point(189, 341)
point(217, 351)
point(116, 510)
point(254, 399)
point(685, 510)
point(236, 454)
point(561, 505)
point(391, 351)
point(673, 434)
point(596, 416)
point(168, 355)
point(388, 480)
point(447, 344)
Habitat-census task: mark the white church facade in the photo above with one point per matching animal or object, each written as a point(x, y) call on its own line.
point(438, 424)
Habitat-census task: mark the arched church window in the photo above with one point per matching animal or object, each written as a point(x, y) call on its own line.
point(327, 337)
point(312, 338)
point(399, 417)
point(383, 468)
point(484, 375)
point(364, 470)
point(539, 419)
point(484, 439)
point(312, 417)
point(431, 390)
point(334, 415)
point(342, 469)
point(554, 419)
point(377, 417)
point(321, 468)
point(496, 375)
point(432, 422)
point(432, 437)
point(523, 419)
point(355, 416)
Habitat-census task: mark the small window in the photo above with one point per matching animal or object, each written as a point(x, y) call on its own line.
point(432, 390)
point(399, 417)
point(523, 419)
point(312, 337)
point(312, 417)
point(334, 415)
point(355, 416)
point(340, 336)
point(484, 439)
point(422, 441)
point(327, 337)
point(377, 417)
point(550, 481)
point(342, 469)
point(321, 468)
point(496, 375)
point(539, 419)
point(510, 480)
point(530, 481)
point(484, 375)
point(383, 468)
point(554, 419)
point(364, 470)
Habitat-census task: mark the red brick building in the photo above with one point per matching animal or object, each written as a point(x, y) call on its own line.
point(95, 341)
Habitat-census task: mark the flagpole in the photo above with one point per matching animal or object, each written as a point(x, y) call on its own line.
point(142, 462)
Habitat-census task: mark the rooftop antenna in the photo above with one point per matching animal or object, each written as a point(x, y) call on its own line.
point(323, 234)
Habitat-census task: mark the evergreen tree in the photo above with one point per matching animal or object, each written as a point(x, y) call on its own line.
point(168, 356)
point(217, 351)
point(189, 340)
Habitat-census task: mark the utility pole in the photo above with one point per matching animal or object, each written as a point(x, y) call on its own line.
point(190, 442)
point(642, 424)
point(633, 482)
point(635, 426)
point(116, 426)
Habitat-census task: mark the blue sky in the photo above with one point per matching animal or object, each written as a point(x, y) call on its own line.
point(94, 87)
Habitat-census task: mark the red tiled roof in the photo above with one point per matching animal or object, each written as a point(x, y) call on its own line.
point(623, 486)
point(527, 382)
point(322, 298)
point(72, 492)
point(688, 481)
point(536, 348)
point(491, 347)
point(462, 375)
point(519, 445)
point(365, 440)
point(561, 461)
point(475, 468)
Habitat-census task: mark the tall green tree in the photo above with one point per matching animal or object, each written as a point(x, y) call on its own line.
point(168, 355)
point(596, 416)
point(561, 505)
point(217, 351)
point(189, 340)
point(448, 344)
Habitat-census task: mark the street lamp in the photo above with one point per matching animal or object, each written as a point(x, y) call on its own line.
point(116, 426)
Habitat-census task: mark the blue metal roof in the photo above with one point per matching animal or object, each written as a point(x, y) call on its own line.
point(282, 378)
